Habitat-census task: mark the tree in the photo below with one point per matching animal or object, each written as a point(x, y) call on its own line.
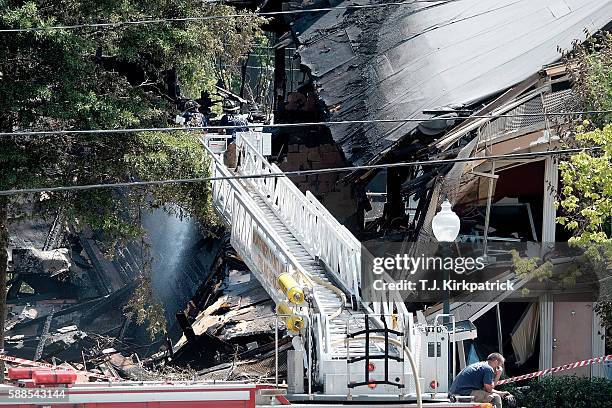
point(586, 197)
point(586, 203)
point(107, 77)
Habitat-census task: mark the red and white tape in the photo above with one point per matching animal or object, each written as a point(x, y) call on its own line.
point(565, 367)
point(30, 363)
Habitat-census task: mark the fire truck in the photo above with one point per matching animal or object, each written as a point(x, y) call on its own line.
point(348, 349)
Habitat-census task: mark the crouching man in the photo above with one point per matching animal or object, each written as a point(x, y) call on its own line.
point(479, 379)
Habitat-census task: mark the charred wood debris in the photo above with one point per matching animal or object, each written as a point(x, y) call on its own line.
point(66, 307)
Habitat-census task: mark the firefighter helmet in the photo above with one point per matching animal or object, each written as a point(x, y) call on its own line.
point(191, 105)
point(230, 106)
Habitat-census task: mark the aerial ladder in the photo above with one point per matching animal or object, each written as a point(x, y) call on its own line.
point(310, 265)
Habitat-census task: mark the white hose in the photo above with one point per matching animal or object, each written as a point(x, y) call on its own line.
point(315, 279)
point(417, 382)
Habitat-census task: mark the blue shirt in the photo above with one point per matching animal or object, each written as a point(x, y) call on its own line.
point(473, 377)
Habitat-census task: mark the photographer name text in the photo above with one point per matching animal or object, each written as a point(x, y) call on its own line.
point(451, 285)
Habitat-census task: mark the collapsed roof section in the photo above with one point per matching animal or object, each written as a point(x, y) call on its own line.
point(398, 61)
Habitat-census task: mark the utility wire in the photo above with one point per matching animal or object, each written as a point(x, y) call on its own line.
point(217, 17)
point(289, 125)
point(505, 157)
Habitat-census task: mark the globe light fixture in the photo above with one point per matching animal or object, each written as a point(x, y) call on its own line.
point(446, 224)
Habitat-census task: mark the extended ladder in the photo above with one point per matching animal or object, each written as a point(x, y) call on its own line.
point(292, 245)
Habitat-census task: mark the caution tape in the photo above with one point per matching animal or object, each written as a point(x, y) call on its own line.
point(23, 361)
point(565, 367)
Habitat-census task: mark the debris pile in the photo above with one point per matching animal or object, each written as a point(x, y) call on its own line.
point(65, 300)
point(230, 326)
point(65, 308)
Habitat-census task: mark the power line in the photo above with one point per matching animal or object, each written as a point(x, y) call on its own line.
point(288, 125)
point(513, 156)
point(216, 17)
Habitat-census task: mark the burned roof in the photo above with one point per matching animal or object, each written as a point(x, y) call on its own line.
point(398, 61)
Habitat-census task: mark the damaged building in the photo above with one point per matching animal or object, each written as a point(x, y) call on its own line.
point(443, 80)
point(419, 81)
point(230, 325)
point(443, 60)
point(67, 294)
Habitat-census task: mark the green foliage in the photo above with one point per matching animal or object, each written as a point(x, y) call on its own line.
point(110, 77)
point(174, 156)
point(530, 268)
point(590, 66)
point(145, 308)
point(113, 76)
point(586, 196)
point(586, 205)
point(604, 309)
point(563, 392)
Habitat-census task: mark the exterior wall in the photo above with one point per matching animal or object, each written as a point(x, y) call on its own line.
point(569, 329)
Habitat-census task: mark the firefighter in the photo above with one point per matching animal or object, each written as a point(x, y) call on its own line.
point(192, 116)
point(232, 117)
point(206, 103)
